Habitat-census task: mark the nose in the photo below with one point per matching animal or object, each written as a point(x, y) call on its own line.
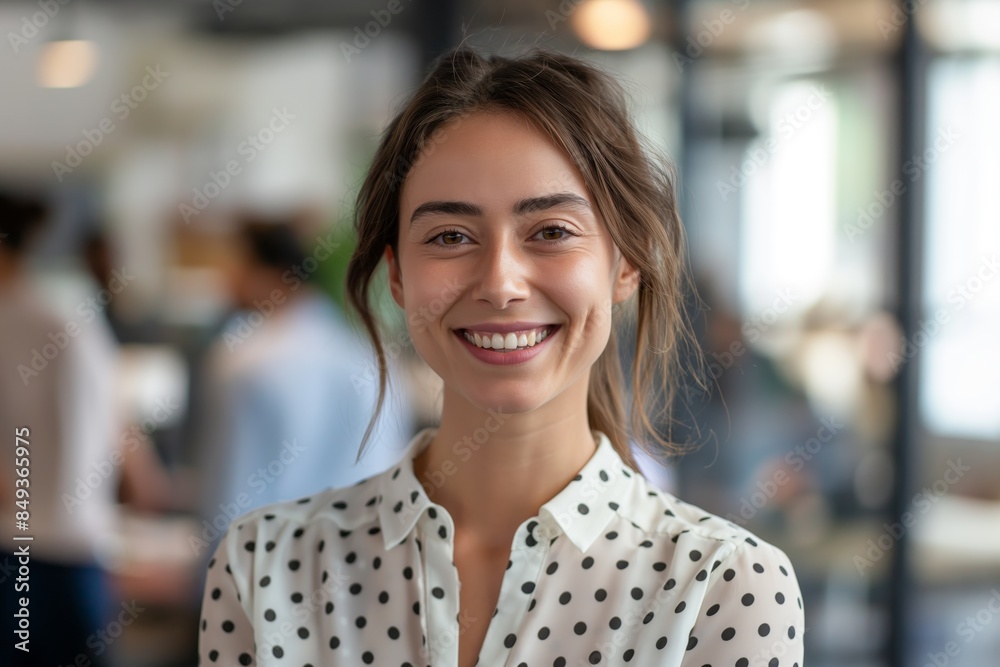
point(502, 272)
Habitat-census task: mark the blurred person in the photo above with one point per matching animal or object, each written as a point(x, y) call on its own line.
point(287, 383)
point(57, 391)
point(519, 215)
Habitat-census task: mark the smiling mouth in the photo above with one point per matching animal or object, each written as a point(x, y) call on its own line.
point(509, 342)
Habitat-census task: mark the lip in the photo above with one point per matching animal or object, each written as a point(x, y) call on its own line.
point(498, 327)
point(508, 358)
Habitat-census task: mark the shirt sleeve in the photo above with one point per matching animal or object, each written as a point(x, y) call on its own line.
point(227, 635)
point(752, 613)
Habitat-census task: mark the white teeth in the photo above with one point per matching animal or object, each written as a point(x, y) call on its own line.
point(509, 341)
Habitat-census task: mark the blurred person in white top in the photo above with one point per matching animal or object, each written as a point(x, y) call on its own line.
point(289, 387)
point(57, 381)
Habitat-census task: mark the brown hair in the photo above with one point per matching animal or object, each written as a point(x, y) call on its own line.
point(584, 110)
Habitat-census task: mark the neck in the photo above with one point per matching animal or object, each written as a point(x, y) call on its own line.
point(493, 470)
point(9, 268)
point(290, 298)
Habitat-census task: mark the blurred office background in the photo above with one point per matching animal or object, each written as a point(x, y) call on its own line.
point(838, 169)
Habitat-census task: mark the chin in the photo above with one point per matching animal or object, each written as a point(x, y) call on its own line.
point(507, 402)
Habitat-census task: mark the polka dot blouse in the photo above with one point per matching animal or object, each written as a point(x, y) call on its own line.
point(611, 571)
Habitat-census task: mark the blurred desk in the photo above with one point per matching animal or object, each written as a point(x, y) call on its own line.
point(159, 571)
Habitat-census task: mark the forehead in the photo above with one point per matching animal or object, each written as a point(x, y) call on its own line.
point(491, 159)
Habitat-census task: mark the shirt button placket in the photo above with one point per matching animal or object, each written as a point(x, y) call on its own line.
point(441, 599)
point(526, 566)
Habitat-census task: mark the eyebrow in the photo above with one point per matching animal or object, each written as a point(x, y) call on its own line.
point(527, 205)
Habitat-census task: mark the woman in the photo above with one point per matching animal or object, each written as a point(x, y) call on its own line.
point(517, 214)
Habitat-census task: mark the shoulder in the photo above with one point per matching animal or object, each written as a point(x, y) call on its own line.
point(700, 537)
point(345, 507)
point(279, 528)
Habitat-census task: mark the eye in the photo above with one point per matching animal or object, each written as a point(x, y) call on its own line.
point(447, 234)
point(564, 233)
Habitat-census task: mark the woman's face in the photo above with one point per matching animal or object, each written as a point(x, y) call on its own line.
point(497, 229)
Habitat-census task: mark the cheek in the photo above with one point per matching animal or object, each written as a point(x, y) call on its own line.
point(426, 300)
point(586, 299)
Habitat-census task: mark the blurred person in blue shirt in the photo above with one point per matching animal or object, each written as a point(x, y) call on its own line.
point(289, 388)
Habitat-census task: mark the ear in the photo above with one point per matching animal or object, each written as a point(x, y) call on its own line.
point(626, 280)
point(395, 277)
